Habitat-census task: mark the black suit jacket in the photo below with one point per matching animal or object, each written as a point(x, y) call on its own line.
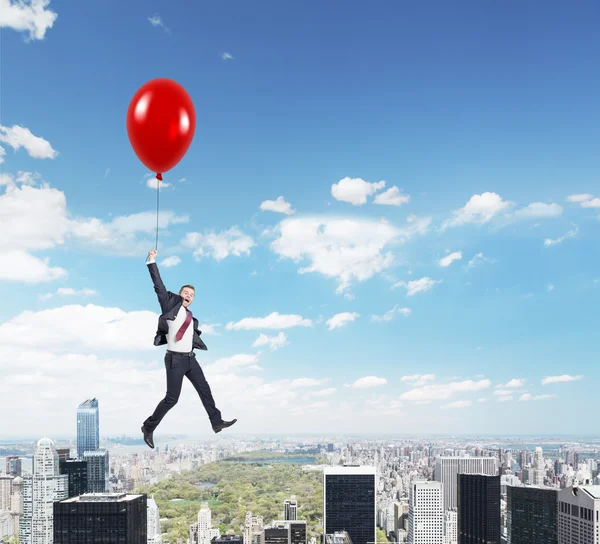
point(170, 304)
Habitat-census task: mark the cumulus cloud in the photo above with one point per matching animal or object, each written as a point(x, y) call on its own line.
point(515, 383)
point(346, 249)
point(564, 378)
point(585, 200)
point(171, 261)
point(20, 266)
point(417, 286)
point(445, 390)
point(416, 380)
point(227, 56)
point(478, 210)
point(390, 314)
point(355, 190)
point(341, 319)
point(478, 259)
point(392, 197)
point(274, 342)
point(32, 17)
point(368, 382)
point(527, 396)
point(17, 137)
point(449, 259)
point(278, 206)
point(539, 210)
point(219, 245)
point(274, 320)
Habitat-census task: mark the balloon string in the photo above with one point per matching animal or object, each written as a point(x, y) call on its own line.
point(157, 194)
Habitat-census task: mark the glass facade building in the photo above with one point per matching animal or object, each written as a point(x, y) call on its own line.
point(97, 470)
point(479, 519)
point(76, 470)
point(88, 427)
point(349, 502)
point(532, 515)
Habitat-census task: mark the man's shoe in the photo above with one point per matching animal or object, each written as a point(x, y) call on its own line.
point(148, 437)
point(224, 424)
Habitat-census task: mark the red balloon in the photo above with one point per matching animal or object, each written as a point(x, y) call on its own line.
point(161, 121)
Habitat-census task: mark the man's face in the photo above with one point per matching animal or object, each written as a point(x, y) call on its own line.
point(188, 296)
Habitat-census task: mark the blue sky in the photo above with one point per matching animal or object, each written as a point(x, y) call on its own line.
point(482, 120)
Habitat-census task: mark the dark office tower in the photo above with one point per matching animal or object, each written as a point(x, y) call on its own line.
point(290, 510)
point(478, 509)
point(63, 454)
point(97, 470)
point(13, 465)
point(280, 534)
point(297, 532)
point(100, 519)
point(532, 515)
point(349, 502)
point(88, 427)
point(78, 477)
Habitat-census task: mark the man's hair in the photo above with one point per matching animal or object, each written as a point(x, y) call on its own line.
point(184, 286)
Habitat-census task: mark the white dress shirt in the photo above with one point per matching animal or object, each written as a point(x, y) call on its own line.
point(184, 345)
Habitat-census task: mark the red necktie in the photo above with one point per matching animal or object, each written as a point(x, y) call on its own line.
point(185, 325)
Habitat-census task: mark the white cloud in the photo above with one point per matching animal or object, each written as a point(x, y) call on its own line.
point(345, 249)
point(272, 321)
point(227, 56)
point(219, 246)
point(70, 292)
point(306, 382)
point(389, 315)
point(154, 183)
point(274, 342)
point(479, 210)
point(482, 400)
point(585, 200)
point(16, 265)
point(505, 398)
point(32, 17)
point(224, 365)
point(277, 206)
point(551, 242)
point(417, 286)
point(560, 379)
point(18, 137)
point(550, 287)
point(503, 392)
point(593, 203)
point(157, 21)
point(457, 404)
point(515, 383)
point(368, 382)
point(321, 393)
point(209, 329)
point(528, 396)
point(477, 260)
point(539, 210)
point(355, 190)
point(171, 261)
point(341, 319)
point(444, 391)
point(392, 197)
point(417, 380)
point(449, 259)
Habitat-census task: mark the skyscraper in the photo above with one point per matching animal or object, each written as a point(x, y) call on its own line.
point(579, 515)
point(426, 513)
point(76, 471)
point(154, 534)
point(6, 489)
point(99, 518)
point(202, 532)
point(478, 509)
point(40, 490)
point(532, 515)
point(349, 502)
point(254, 529)
point(97, 470)
point(88, 427)
point(13, 465)
point(448, 468)
point(290, 510)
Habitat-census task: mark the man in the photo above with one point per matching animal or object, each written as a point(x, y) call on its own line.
point(179, 330)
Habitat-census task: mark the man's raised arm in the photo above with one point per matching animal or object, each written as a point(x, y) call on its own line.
point(159, 286)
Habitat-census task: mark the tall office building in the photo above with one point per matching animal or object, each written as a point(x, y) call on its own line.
point(290, 509)
point(479, 509)
point(76, 471)
point(40, 489)
point(579, 515)
point(97, 470)
point(153, 517)
point(99, 518)
point(278, 533)
point(254, 529)
point(6, 490)
point(451, 527)
point(532, 515)
point(447, 470)
point(401, 515)
point(88, 427)
point(202, 532)
point(426, 513)
point(298, 532)
point(13, 465)
point(349, 502)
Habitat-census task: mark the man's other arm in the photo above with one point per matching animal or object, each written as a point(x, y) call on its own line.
point(159, 287)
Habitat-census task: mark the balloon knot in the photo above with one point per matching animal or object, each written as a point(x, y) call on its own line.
point(159, 177)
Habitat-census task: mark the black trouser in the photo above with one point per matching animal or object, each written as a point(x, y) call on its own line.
point(179, 365)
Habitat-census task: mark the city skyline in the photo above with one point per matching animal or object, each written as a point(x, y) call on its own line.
point(388, 232)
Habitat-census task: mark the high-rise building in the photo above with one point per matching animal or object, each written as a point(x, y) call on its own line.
point(401, 515)
point(6, 490)
point(76, 471)
point(278, 533)
point(40, 489)
point(97, 470)
point(290, 509)
point(579, 515)
point(447, 470)
point(479, 509)
point(254, 529)
point(298, 532)
point(202, 532)
point(426, 513)
point(13, 465)
point(532, 515)
point(88, 427)
point(99, 518)
point(349, 502)
point(451, 527)
point(153, 517)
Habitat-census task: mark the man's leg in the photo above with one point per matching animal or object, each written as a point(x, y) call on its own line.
point(176, 365)
point(196, 376)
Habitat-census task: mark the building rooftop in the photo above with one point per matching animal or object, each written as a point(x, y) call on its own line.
point(102, 497)
point(348, 469)
point(593, 490)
